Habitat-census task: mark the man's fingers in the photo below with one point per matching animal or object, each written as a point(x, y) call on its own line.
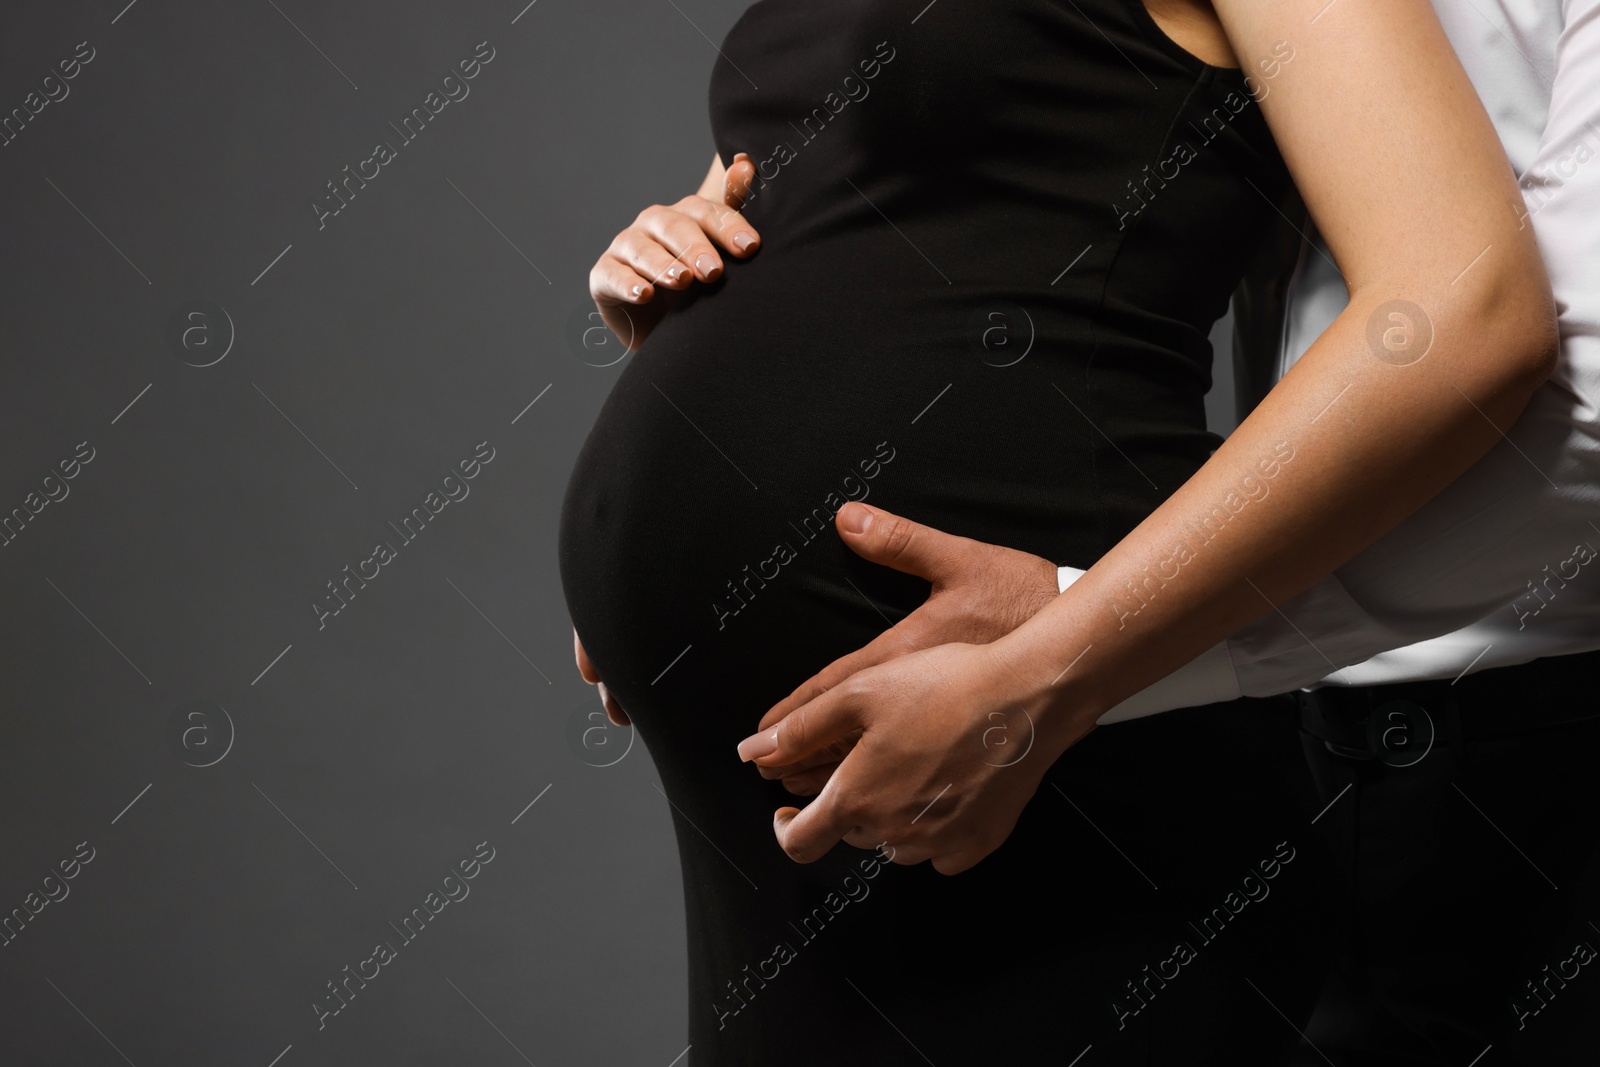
point(806, 730)
point(880, 649)
point(895, 541)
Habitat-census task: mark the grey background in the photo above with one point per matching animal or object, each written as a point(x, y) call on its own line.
point(347, 768)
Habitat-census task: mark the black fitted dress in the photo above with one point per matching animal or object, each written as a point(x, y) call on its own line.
point(995, 238)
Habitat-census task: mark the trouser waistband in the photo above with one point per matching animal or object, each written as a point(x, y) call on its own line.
point(1399, 722)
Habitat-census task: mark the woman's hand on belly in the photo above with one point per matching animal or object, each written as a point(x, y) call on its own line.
point(981, 592)
point(586, 668)
point(671, 247)
point(952, 747)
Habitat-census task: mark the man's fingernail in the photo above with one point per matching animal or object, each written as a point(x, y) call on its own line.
point(758, 745)
point(857, 519)
point(743, 240)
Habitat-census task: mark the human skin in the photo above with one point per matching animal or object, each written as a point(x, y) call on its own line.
point(668, 248)
point(635, 281)
point(1405, 177)
point(979, 593)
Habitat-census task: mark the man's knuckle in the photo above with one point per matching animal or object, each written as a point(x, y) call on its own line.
point(898, 537)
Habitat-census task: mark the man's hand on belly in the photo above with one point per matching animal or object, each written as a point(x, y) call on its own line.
point(981, 592)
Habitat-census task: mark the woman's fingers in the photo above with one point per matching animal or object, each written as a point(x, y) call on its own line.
point(614, 710)
point(695, 227)
point(736, 183)
point(809, 833)
point(645, 250)
point(822, 681)
point(613, 280)
point(891, 541)
point(666, 250)
point(895, 641)
point(670, 248)
point(904, 854)
point(585, 668)
point(658, 252)
point(808, 729)
point(830, 754)
point(982, 592)
point(723, 223)
point(956, 862)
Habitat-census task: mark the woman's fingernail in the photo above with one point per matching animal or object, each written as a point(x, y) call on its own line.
point(638, 291)
point(707, 265)
point(757, 745)
point(743, 240)
point(858, 519)
point(674, 273)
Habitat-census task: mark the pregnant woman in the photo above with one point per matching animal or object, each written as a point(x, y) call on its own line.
point(992, 241)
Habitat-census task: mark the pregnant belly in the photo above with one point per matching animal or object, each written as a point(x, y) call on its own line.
point(698, 552)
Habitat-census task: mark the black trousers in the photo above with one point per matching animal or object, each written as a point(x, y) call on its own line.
point(1466, 821)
